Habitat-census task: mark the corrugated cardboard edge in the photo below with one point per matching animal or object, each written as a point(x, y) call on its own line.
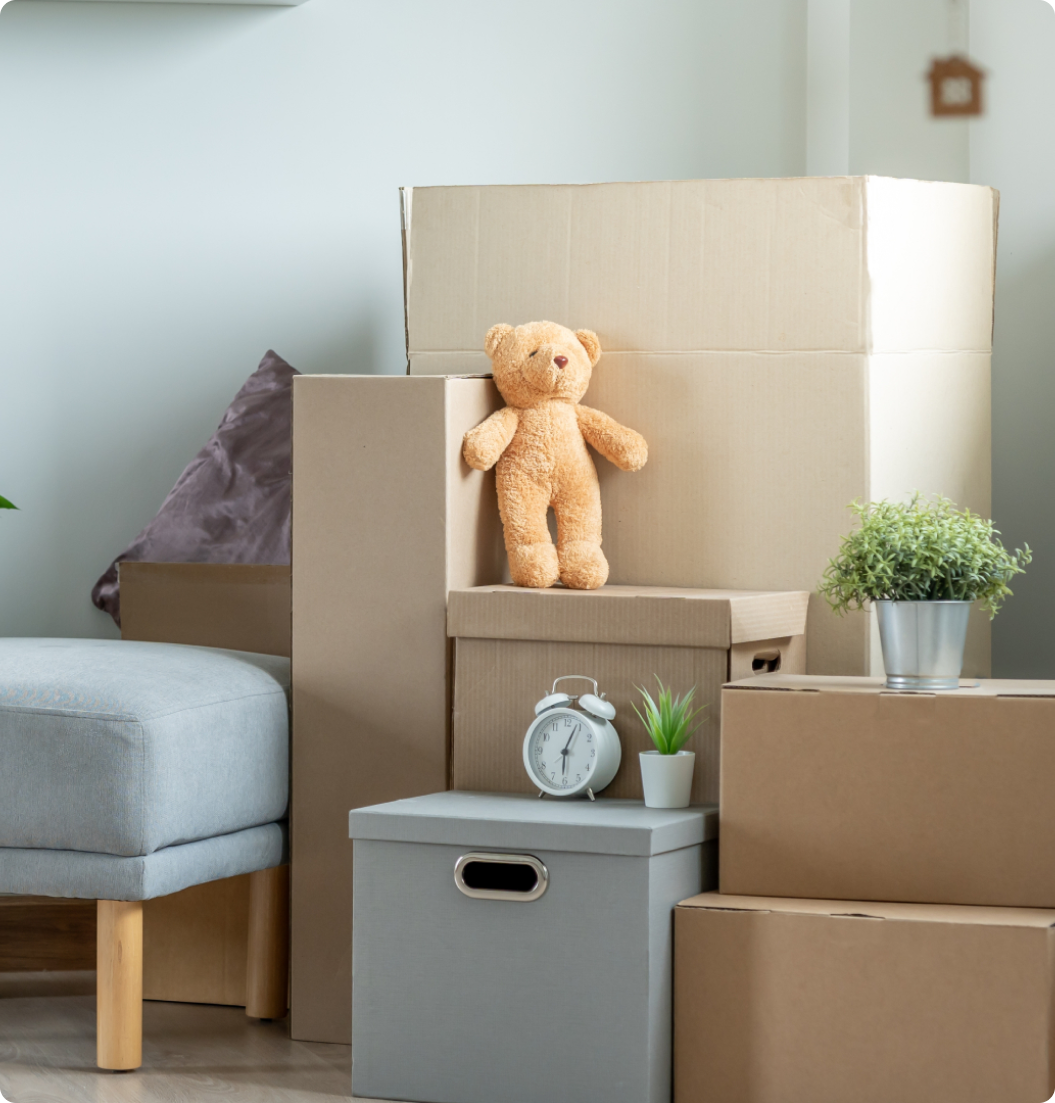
point(996, 243)
point(857, 909)
point(406, 198)
point(744, 628)
point(737, 616)
point(986, 688)
point(865, 274)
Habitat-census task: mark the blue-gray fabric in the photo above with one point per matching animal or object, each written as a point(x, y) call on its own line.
point(74, 874)
point(114, 747)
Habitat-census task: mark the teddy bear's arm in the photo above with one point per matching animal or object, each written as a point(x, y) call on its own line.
point(625, 448)
point(484, 445)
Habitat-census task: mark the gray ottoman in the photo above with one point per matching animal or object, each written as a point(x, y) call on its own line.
point(134, 770)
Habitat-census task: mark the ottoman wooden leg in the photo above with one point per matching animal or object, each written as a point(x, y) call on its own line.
point(119, 1002)
point(267, 972)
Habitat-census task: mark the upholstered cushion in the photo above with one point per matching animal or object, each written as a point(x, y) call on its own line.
point(123, 748)
point(72, 873)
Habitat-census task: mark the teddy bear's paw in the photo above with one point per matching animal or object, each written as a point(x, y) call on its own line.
point(534, 565)
point(583, 565)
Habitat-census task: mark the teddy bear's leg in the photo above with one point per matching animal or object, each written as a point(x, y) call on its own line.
point(532, 556)
point(578, 510)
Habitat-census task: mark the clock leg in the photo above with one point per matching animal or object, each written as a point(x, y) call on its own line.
point(589, 793)
point(541, 794)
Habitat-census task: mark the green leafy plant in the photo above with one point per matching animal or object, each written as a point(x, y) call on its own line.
point(5, 504)
point(669, 723)
point(921, 550)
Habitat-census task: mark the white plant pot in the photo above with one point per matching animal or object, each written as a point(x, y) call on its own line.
point(667, 778)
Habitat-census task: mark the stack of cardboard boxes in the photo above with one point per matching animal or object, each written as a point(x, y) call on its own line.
point(886, 922)
point(785, 346)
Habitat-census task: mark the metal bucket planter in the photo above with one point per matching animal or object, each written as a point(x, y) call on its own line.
point(923, 642)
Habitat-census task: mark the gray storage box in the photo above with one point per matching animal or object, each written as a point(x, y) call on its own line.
point(540, 969)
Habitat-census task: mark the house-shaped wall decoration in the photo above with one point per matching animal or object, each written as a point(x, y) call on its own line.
point(955, 87)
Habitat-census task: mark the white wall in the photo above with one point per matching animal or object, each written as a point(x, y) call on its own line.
point(867, 93)
point(184, 186)
point(1013, 149)
point(892, 43)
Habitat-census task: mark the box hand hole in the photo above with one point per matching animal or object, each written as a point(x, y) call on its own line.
point(517, 877)
point(766, 662)
point(500, 876)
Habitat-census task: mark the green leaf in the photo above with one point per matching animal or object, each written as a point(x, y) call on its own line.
point(5, 504)
point(921, 550)
point(670, 722)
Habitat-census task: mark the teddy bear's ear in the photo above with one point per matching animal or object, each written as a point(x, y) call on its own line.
point(495, 336)
point(588, 340)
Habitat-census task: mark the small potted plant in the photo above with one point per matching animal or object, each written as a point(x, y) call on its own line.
point(666, 772)
point(922, 563)
point(5, 504)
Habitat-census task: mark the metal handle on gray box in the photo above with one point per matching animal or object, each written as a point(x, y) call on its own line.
point(518, 877)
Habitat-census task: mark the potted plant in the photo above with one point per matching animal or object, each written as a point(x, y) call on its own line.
point(922, 563)
point(666, 772)
point(5, 504)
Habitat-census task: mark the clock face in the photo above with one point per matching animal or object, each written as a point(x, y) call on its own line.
point(562, 750)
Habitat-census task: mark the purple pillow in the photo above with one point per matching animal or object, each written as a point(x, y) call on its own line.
point(232, 503)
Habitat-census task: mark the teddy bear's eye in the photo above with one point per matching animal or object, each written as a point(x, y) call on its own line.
point(532, 354)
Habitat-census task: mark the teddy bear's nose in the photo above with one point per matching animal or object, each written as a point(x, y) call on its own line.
point(560, 361)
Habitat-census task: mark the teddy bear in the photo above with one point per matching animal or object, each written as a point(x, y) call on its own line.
point(538, 440)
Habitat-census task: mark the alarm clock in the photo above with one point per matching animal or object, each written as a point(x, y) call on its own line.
point(569, 751)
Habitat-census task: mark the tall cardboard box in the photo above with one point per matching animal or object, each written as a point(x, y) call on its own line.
point(835, 788)
point(511, 643)
point(785, 346)
point(387, 517)
point(789, 1001)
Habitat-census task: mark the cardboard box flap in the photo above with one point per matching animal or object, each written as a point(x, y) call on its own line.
point(850, 264)
point(969, 687)
point(518, 822)
point(639, 615)
point(856, 909)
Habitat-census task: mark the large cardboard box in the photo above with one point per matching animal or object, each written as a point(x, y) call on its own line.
point(387, 517)
point(837, 789)
point(196, 941)
point(788, 1001)
point(511, 643)
point(785, 346)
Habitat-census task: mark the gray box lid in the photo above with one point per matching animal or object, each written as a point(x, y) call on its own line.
point(515, 821)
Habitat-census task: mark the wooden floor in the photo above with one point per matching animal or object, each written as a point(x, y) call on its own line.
point(191, 1052)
